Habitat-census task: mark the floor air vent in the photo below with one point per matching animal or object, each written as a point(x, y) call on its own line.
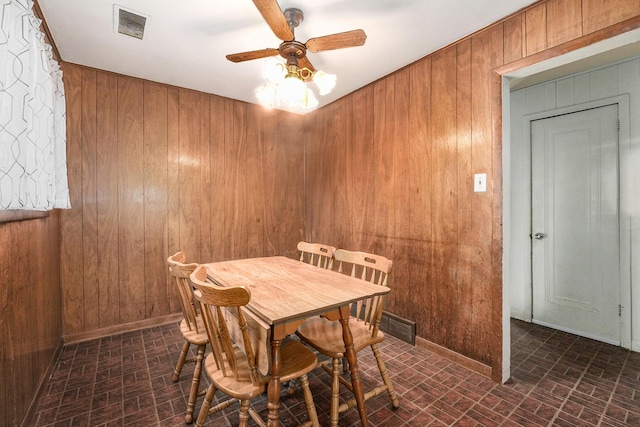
point(399, 327)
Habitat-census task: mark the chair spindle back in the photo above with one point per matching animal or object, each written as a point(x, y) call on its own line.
point(220, 306)
point(181, 272)
point(372, 268)
point(317, 254)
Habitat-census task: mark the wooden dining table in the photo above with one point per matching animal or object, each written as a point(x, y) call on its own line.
point(285, 292)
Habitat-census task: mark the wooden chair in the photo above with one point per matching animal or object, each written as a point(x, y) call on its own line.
point(191, 326)
point(316, 254)
point(326, 336)
point(231, 365)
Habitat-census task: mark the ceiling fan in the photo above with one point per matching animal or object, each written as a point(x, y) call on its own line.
point(294, 52)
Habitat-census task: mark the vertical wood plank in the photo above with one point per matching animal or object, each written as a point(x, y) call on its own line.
point(401, 159)
point(420, 224)
point(107, 203)
point(597, 14)
point(189, 170)
point(536, 29)
point(52, 286)
point(564, 21)
point(514, 40)
point(494, 352)
point(360, 164)
point(336, 201)
point(131, 199)
point(206, 250)
point(155, 199)
point(173, 188)
point(20, 355)
point(443, 131)
point(71, 272)
point(444, 199)
point(400, 196)
point(253, 164)
point(6, 276)
point(36, 295)
point(236, 153)
point(485, 56)
point(229, 187)
point(463, 292)
point(463, 138)
point(381, 214)
point(89, 201)
point(219, 184)
point(283, 142)
point(289, 134)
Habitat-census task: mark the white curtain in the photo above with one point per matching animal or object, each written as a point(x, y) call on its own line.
point(33, 161)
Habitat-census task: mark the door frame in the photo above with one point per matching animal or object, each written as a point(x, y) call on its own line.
point(624, 215)
point(554, 63)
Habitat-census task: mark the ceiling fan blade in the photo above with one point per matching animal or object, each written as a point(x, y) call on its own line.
point(337, 41)
point(254, 54)
point(305, 63)
point(272, 14)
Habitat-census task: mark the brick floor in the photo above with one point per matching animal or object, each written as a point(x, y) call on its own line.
point(558, 379)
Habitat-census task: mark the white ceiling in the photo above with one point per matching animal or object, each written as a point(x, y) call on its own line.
point(185, 41)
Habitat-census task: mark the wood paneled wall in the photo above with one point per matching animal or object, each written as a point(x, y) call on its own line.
point(154, 169)
point(390, 170)
point(30, 314)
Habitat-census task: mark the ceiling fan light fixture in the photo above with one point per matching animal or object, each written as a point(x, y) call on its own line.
point(274, 70)
point(310, 102)
point(267, 95)
point(293, 89)
point(287, 84)
point(325, 82)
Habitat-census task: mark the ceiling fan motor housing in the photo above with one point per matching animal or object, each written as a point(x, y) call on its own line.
point(292, 51)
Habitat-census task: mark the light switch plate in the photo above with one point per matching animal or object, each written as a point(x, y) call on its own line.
point(480, 182)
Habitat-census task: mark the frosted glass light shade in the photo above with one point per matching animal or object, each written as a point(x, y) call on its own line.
point(310, 101)
point(274, 70)
point(325, 82)
point(267, 95)
point(292, 90)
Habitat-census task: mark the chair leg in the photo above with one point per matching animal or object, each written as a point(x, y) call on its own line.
point(244, 413)
point(308, 399)
point(181, 359)
point(335, 391)
point(385, 377)
point(204, 409)
point(195, 385)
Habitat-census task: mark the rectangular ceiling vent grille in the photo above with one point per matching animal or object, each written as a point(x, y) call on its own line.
point(129, 23)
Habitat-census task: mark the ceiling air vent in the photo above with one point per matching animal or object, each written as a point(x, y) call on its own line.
point(129, 23)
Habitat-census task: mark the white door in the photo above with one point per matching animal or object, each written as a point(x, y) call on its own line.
point(575, 223)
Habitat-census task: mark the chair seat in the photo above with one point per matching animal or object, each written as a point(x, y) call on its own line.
point(326, 336)
point(241, 388)
point(191, 335)
point(296, 360)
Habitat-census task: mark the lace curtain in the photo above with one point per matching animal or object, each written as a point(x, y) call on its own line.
point(33, 162)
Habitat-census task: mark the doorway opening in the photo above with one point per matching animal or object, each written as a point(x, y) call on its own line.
point(551, 80)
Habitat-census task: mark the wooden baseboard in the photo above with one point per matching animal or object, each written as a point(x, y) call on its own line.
point(44, 380)
point(458, 358)
point(120, 329)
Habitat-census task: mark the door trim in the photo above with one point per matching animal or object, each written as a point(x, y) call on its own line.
point(625, 213)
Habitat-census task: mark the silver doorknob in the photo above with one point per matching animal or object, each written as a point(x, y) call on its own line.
point(538, 236)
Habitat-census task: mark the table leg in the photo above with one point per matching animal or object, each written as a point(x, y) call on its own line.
point(352, 358)
point(273, 390)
